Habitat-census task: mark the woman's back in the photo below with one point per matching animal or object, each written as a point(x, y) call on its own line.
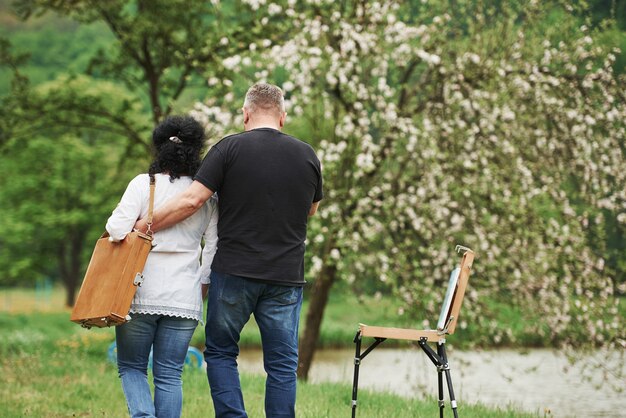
point(172, 272)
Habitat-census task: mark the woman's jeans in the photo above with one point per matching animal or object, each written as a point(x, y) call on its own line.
point(168, 337)
point(276, 309)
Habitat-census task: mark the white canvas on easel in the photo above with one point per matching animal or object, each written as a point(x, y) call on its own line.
point(444, 315)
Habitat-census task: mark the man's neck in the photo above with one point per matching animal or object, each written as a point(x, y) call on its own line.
point(262, 122)
point(262, 125)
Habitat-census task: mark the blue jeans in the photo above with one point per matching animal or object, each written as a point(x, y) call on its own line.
point(276, 309)
point(168, 337)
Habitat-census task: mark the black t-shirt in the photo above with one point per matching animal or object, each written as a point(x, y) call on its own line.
point(266, 182)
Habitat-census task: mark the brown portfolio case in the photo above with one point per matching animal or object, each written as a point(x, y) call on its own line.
point(111, 280)
point(114, 272)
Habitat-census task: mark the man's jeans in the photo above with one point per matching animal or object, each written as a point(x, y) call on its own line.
point(276, 309)
point(169, 339)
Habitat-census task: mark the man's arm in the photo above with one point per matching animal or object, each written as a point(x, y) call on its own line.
point(314, 208)
point(178, 208)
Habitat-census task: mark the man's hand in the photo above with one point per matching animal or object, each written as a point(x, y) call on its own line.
point(141, 225)
point(314, 208)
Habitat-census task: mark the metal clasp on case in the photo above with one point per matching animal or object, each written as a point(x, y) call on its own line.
point(138, 279)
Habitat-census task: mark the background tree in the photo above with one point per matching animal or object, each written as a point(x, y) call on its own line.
point(472, 123)
point(161, 50)
point(53, 195)
point(60, 177)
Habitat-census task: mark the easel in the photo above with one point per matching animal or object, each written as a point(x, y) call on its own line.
point(445, 326)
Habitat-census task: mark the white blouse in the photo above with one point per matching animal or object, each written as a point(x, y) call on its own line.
point(172, 274)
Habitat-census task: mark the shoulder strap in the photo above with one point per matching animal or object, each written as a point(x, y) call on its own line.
point(151, 205)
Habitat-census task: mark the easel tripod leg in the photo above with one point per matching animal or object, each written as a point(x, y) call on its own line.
point(440, 387)
point(355, 380)
point(451, 391)
point(441, 348)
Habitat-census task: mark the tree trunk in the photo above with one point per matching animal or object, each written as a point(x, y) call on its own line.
point(70, 266)
point(70, 292)
point(314, 316)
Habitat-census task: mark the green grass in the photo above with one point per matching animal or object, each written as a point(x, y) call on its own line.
point(53, 368)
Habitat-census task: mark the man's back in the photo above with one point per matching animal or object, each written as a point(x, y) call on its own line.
point(266, 182)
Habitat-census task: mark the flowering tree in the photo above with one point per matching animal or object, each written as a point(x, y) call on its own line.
point(477, 126)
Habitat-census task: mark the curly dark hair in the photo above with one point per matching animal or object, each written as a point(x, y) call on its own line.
point(178, 142)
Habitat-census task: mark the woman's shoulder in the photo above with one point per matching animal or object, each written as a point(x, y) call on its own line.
point(139, 182)
point(140, 179)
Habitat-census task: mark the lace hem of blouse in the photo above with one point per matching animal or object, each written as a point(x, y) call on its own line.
point(167, 311)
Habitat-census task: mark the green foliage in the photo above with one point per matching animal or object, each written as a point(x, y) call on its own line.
point(62, 144)
point(56, 196)
point(71, 104)
point(162, 46)
point(55, 50)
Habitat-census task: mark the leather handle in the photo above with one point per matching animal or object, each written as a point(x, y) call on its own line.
point(151, 205)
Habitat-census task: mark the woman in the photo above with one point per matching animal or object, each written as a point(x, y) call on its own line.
point(168, 305)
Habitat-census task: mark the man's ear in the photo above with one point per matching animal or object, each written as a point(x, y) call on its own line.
point(246, 115)
point(281, 121)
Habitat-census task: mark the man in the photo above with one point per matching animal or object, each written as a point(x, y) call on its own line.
point(268, 184)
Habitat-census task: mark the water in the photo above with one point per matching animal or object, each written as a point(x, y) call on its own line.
point(540, 381)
